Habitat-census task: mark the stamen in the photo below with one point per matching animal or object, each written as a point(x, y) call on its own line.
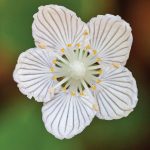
point(94, 67)
point(80, 54)
point(91, 60)
point(80, 88)
point(42, 45)
point(98, 59)
point(62, 50)
point(51, 69)
point(94, 105)
point(54, 78)
point(98, 81)
point(87, 89)
point(64, 88)
point(61, 82)
point(54, 61)
point(59, 64)
point(100, 71)
point(73, 93)
point(69, 45)
point(69, 54)
point(85, 33)
point(88, 47)
point(52, 89)
point(67, 84)
point(116, 65)
point(94, 52)
point(85, 54)
point(82, 93)
point(78, 45)
point(93, 87)
point(62, 59)
point(94, 78)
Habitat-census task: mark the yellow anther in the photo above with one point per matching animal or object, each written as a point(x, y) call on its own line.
point(98, 81)
point(62, 50)
point(64, 89)
point(54, 78)
point(116, 65)
point(73, 93)
point(94, 52)
point(95, 107)
point(78, 45)
point(54, 61)
point(85, 33)
point(93, 87)
point(51, 69)
point(82, 93)
point(100, 71)
point(98, 59)
point(88, 46)
point(42, 45)
point(69, 45)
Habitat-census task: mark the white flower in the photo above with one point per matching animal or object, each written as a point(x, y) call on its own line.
point(77, 69)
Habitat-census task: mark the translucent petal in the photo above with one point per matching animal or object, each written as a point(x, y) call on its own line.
point(116, 93)
point(55, 27)
point(111, 36)
point(65, 115)
point(32, 73)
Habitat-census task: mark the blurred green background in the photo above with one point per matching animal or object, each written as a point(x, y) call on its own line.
point(21, 127)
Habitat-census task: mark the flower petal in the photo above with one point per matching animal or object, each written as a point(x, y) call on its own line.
point(65, 115)
point(32, 73)
point(55, 27)
point(111, 36)
point(116, 94)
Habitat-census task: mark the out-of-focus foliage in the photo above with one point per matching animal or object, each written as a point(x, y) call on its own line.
point(16, 20)
point(21, 128)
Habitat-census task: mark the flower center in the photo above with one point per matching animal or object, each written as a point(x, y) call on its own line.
point(76, 70)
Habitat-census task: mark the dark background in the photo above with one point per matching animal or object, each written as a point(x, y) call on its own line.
point(21, 127)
